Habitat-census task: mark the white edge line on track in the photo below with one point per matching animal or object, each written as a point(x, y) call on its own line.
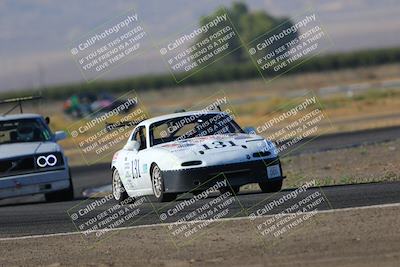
point(166, 224)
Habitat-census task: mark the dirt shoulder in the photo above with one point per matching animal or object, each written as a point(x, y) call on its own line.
point(363, 164)
point(362, 237)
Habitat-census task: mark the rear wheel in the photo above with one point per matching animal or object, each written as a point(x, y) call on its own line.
point(62, 195)
point(157, 182)
point(118, 189)
point(271, 186)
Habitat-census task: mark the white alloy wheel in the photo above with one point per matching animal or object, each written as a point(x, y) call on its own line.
point(157, 181)
point(116, 186)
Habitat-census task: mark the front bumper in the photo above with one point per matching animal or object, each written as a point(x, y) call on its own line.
point(237, 174)
point(34, 183)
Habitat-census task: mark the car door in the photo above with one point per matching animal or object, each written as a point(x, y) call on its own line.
point(136, 158)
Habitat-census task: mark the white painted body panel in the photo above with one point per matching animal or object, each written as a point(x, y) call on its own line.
point(213, 150)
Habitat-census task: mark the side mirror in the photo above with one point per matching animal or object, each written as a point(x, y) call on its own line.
point(132, 146)
point(250, 130)
point(60, 135)
point(47, 120)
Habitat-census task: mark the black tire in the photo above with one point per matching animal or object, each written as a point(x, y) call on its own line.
point(233, 189)
point(120, 195)
point(157, 183)
point(271, 186)
point(62, 195)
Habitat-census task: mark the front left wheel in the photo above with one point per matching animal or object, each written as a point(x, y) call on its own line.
point(118, 190)
point(271, 186)
point(157, 183)
point(62, 195)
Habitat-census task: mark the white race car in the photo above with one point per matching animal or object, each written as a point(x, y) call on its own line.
point(182, 152)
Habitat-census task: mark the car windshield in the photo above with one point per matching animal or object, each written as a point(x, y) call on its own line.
point(23, 130)
point(192, 126)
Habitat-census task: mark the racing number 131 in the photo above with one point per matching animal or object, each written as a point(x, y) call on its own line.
point(135, 169)
point(219, 144)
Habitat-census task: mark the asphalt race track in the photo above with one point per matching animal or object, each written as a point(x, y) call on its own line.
point(37, 218)
point(48, 218)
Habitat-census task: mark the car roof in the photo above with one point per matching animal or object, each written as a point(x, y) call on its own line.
point(148, 122)
point(19, 116)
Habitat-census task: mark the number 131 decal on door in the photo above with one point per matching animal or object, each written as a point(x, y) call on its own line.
point(135, 169)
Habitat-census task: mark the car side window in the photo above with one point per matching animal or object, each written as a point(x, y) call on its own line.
point(140, 136)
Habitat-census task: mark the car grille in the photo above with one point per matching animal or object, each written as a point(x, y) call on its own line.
point(26, 164)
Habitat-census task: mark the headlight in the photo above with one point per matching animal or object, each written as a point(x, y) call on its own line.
point(49, 160)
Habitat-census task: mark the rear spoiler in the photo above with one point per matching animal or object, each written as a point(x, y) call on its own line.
point(18, 101)
point(112, 126)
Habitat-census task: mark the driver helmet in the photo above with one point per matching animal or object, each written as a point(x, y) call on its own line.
point(25, 132)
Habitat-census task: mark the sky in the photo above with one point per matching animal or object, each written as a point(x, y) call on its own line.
point(35, 35)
